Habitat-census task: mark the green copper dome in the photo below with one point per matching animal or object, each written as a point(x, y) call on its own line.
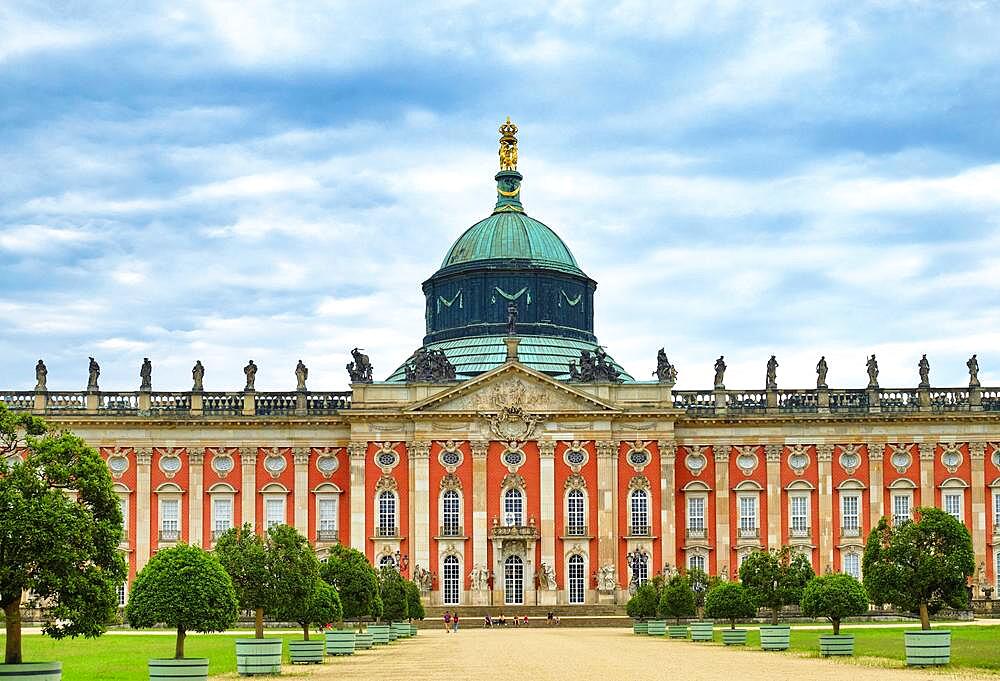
point(506, 235)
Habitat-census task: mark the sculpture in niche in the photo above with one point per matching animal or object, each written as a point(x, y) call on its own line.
point(821, 369)
point(251, 373)
point(973, 365)
point(427, 365)
point(546, 577)
point(360, 370)
point(720, 373)
point(301, 374)
point(872, 373)
point(93, 373)
point(606, 581)
point(198, 376)
point(512, 318)
point(479, 577)
point(924, 369)
point(423, 578)
point(146, 375)
point(665, 371)
point(771, 381)
point(41, 376)
point(594, 368)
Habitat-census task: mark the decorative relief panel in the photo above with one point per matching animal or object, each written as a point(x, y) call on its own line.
point(327, 462)
point(576, 456)
point(512, 480)
point(721, 452)
point(451, 456)
point(798, 458)
point(451, 482)
point(696, 460)
point(901, 456)
point(386, 456)
point(117, 461)
point(747, 459)
point(222, 461)
point(274, 461)
point(170, 461)
point(876, 450)
point(386, 483)
point(951, 456)
point(638, 482)
point(773, 452)
point(638, 455)
point(850, 458)
point(575, 481)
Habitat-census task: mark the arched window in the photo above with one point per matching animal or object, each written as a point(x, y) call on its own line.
point(576, 518)
point(451, 513)
point(577, 579)
point(387, 515)
point(452, 576)
point(696, 561)
point(513, 580)
point(387, 561)
point(639, 506)
point(513, 507)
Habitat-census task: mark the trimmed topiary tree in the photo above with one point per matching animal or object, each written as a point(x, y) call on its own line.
point(392, 587)
point(184, 588)
point(320, 609)
point(294, 569)
point(677, 599)
point(700, 583)
point(242, 553)
point(834, 597)
point(729, 601)
point(60, 529)
point(356, 581)
point(643, 603)
point(919, 566)
point(414, 606)
point(775, 578)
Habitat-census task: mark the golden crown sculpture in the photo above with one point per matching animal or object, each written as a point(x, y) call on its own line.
point(508, 146)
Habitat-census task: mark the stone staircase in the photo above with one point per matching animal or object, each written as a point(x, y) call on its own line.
point(569, 615)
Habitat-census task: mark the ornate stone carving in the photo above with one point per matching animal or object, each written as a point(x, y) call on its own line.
point(546, 577)
point(696, 460)
point(479, 449)
point(747, 458)
point(248, 456)
point(927, 451)
point(973, 365)
point(977, 450)
point(594, 368)
point(360, 370)
point(798, 458)
point(638, 482)
point(638, 455)
point(547, 449)
point(196, 457)
point(510, 423)
point(606, 449)
point(576, 456)
point(251, 373)
point(850, 458)
point(274, 461)
point(512, 480)
point(824, 453)
point(951, 456)
point(512, 318)
point(169, 462)
point(222, 461)
point(479, 578)
point(143, 456)
point(875, 450)
point(668, 450)
point(327, 462)
point(197, 377)
point(720, 373)
point(901, 456)
point(419, 449)
point(721, 452)
point(357, 450)
point(41, 376)
point(427, 365)
point(771, 379)
point(606, 581)
point(386, 483)
point(301, 456)
point(773, 452)
point(924, 370)
point(386, 457)
point(821, 370)
point(450, 456)
point(450, 481)
point(665, 371)
point(575, 481)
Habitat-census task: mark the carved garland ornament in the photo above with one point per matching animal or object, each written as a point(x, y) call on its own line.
point(510, 423)
point(575, 481)
point(638, 482)
point(274, 462)
point(386, 483)
point(512, 480)
point(451, 482)
point(747, 459)
point(327, 462)
point(170, 461)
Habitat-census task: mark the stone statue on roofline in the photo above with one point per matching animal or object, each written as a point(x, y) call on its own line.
point(821, 369)
point(924, 369)
point(94, 372)
point(301, 374)
point(665, 371)
point(973, 365)
point(512, 318)
point(720, 373)
point(146, 375)
point(872, 373)
point(427, 365)
point(360, 370)
point(771, 380)
point(41, 377)
point(594, 368)
point(251, 373)
point(197, 377)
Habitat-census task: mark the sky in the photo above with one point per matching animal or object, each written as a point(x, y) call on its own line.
point(226, 180)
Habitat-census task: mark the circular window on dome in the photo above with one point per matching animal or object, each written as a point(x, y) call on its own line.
point(327, 464)
point(638, 457)
point(170, 464)
point(223, 464)
point(513, 457)
point(118, 464)
point(275, 464)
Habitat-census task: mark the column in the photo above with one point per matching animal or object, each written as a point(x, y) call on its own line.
point(875, 477)
point(248, 488)
point(977, 455)
point(773, 455)
point(722, 505)
point(547, 500)
point(301, 492)
point(420, 504)
point(823, 525)
point(143, 457)
point(477, 497)
point(927, 450)
point(607, 494)
point(196, 496)
point(668, 526)
point(357, 452)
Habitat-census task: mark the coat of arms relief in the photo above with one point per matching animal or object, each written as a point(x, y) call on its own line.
point(505, 409)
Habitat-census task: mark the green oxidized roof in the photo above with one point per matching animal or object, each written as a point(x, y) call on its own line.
point(505, 235)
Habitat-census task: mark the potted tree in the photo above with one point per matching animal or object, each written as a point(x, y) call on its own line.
point(395, 605)
point(774, 579)
point(415, 607)
point(348, 571)
point(60, 528)
point(320, 609)
point(642, 605)
point(701, 630)
point(293, 566)
point(834, 597)
point(677, 601)
point(921, 567)
point(184, 588)
point(730, 601)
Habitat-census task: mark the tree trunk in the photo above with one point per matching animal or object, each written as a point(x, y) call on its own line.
point(732, 624)
point(305, 631)
point(774, 615)
point(258, 622)
point(925, 618)
point(12, 614)
point(836, 626)
point(179, 649)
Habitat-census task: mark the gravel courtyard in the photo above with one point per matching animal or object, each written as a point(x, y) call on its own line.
point(591, 655)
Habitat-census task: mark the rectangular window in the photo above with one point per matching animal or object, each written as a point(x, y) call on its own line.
point(850, 514)
point(170, 518)
point(123, 505)
point(800, 514)
point(274, 512)
point(953, 505)
point(852, 565)
point(222, 515)
point(696, 561)
point(327, 515)
point(996, 513)
point(696, 513)
point(122, 591)
point(748, 513)
point(900, 508)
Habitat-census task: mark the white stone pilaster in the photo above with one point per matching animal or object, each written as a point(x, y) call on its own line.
point(668, 526)
point(357, 452)
point(420, 503)
point(823, 525)
point(301, 492)
point(773, 454)
point(607, 504)
point(722, 537)
point(143, 457)
point(196, 496)
point(248, 486)
point(547, 500)
point(927, 489)
point(977, 456)
point(876, 480)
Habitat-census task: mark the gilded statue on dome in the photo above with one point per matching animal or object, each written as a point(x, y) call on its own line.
point(508, 146)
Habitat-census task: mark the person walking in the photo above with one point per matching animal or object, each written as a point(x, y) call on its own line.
point(447, 622)
point(454, 621)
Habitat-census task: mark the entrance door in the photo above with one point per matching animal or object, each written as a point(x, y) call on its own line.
point(513, 581)
point(577, 583)
point(451, 577)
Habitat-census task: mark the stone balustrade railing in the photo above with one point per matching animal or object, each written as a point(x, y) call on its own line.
point(177, 404)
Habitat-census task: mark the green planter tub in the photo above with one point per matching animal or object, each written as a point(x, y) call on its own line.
point(702, 631)
point(656, 628)
point(307, 652)
point(31, 671)
point(734, 637)
point(640, 627)
point(380, 634)
point(775, 636)
point(841, 644)
point(413, 629)
point(179, 670)
point(364, 640)
point(340, 641)
point(677, 631)
point(402, 629)
point(927, 648)
point(393, 633)
point(258, 656)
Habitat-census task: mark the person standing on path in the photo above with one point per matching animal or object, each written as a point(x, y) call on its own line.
point(454, 620)
point(447, 622)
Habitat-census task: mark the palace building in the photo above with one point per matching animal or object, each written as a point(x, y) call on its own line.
point(510, 460)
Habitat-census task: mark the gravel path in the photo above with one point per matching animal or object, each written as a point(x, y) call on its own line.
point(591, 655)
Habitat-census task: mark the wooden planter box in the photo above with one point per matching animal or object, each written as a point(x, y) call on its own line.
point(380, 634)
point(927, 648)
point(402, 629)
point(258, 656)
point(640, 627)
point(775, 636)
point(677, 631)
point(307, 652)
point(656, 628)
point(364, 640)
point(702, 631)
point(393, 632)
point(179, 670)
point(31, 671)
point(734, 637)
point(413, 629)
point(340, 642)
point(841, 644)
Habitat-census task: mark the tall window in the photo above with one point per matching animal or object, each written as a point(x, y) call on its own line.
point(274, 512)
point(513, 580)
point(327, 518)
point(170, 519)
point(640, 512)
point(575, 519)
point(643, 571)
point(387, 514)
point(452, 575)
point(577, 579)
point(900, 508)
point(996, 512)
point(953, 505)
point(123, 505)
point(450, 513)
point(122, 591)
point(852, 565)
point(696, 561)
point(748, 513)
point(696, 513)
point(513, 507)
point(800, 514)
point(850, 514)
point(222, 514)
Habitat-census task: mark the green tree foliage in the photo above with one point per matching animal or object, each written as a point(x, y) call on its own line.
point(320, 609)
point(834, 597)
point(185, 588)
point(243, 555)
point(677, 599)
point(919, 566)
point(294, 569)
point(700, 583)
point(60, 527)
point(776, 578)
point(415, 607)
point(729, 601)
point(392, 587)
point(644, 602)
point(356, 581)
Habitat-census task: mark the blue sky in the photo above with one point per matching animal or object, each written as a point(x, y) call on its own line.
point(227, 180)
